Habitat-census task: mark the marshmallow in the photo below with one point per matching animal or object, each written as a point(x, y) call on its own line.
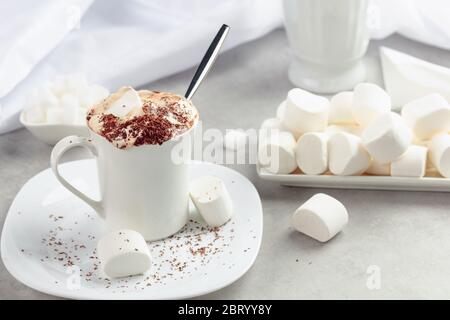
point(305, 112)
point(321, 217)
point(311, 153)
point(68, 93)
point(277, 153)
point(80, 116)
point(70, 106)
point(35, 114)
point(410, 164)
point(130, 101)
point(235, 139)
point(369, 102)
point(379, 169)
point(123, 253)
point(68, 100)
point(96, 94)
point(387, 137)
point(76, 83)
point(439, 153)
point(272, 123)
point(211, 198)
point(55, 116)
point(427, 116)
point(46, 98)
point(352, 129)
point(281, 110)
point(346, 155)
point(341, 108)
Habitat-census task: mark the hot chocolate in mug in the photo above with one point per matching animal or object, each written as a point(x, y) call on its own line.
point(142, 188)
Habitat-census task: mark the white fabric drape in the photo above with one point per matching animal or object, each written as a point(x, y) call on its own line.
point(133, 42)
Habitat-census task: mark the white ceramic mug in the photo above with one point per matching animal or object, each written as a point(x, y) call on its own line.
point(328, 39)
point(142, 188)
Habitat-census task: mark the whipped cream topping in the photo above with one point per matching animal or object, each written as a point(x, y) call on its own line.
point(132, 118)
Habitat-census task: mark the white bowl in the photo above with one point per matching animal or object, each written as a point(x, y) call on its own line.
point(52, 133)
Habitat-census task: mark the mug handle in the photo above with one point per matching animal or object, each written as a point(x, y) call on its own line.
point(62, 147)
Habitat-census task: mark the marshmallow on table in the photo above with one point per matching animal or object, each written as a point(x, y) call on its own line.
point(123, 253)
point(412, 163)
point(276, 153)
point(369, 102)
point(379, 169)
point(235, 140)
point(305, 112)
point(387, 137)
point(321, 217)
point(346, 155)
point(281, 110)
point(211, 198)
point(311, 153)
point(439, 153)
point(348, 128)
point(129, 101)
point(341, 108)
point(427, 116)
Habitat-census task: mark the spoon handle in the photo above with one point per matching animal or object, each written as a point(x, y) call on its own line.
point(207, 61)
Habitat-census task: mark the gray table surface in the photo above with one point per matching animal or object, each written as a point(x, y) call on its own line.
point(405, 234)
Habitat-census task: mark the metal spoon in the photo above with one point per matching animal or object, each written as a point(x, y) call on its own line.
point(208, 60)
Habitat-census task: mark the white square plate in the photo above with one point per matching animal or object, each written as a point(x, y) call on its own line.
point(428, 183)
point(49, 238)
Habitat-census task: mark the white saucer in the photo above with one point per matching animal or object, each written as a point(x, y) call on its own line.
point(47, 229)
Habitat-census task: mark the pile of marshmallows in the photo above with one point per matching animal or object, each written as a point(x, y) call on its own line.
point(355, 133)
point(65, 100)
point(125, 252)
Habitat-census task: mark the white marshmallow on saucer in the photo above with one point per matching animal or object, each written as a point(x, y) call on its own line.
point(123, 253)
point(128, 102)
point(235, 140)
point(439, 153)
point(369, 102)
point(379, 169)
point(212, 200)
point(387, 137)
point(346, 155)
point(312, 153)
point(427, 116)
point(341, 108)
point(321, 217)
point(348, 128)
point(276, 153)
point(281, 110)
point(305, 112)
point(412, 163)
